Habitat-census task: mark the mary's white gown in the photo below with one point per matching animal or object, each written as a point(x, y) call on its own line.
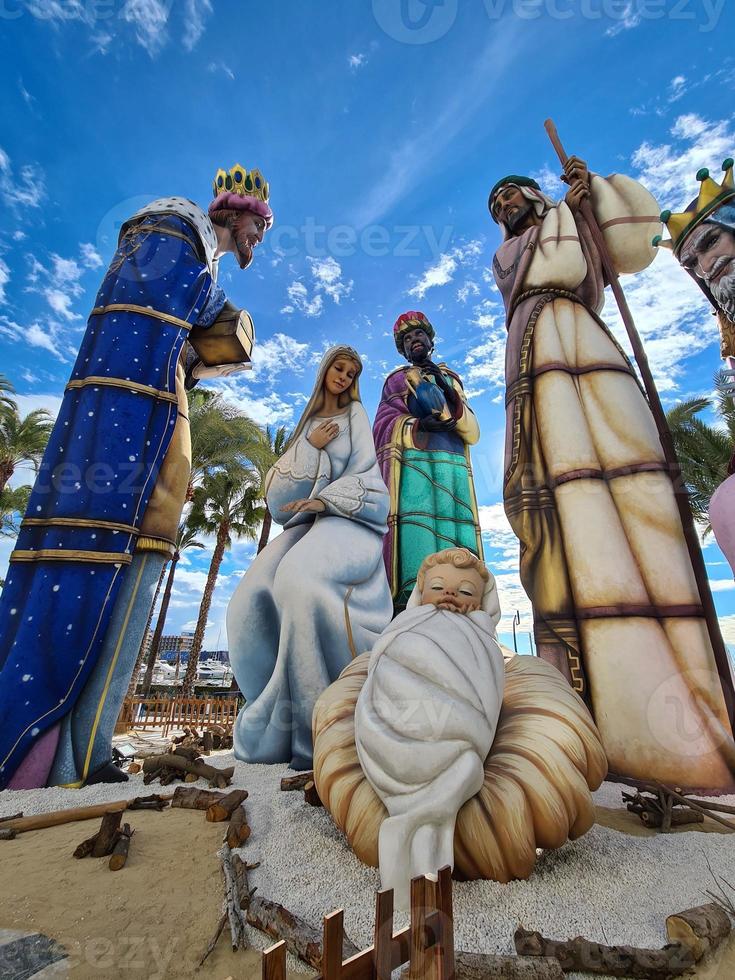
point(315, 597)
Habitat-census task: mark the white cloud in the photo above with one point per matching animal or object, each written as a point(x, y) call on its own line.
point(279, 353)
point(629, 18)
point(150, 19)
point(485, 362)
point(415, 158)
point(671, 313)
point(550, 181)
point(45, 335)
point(266, 409)
point(357, 61)
point(721, 584)
point(4, 279)
point(30, 403)
point(214, 67)
point(442, 271)
point(668, 171)
point(195, 16)
point(26, 190)
point(327, 274)
point(470, 288)
point(60, 303)
point(299, 299)
point(91, 258)
point(727, 627)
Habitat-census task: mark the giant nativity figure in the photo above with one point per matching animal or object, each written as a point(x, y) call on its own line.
point(102, 517)
point(588, 492)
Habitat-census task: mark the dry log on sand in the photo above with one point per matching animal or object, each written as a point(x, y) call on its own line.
point(7, 834)
point(120, 851)
point(217, 777)
point(679, 818)
point(57, 817)
point(486, 966)
point(15, 816)
point(290, 783)
point(233, 898)
point(107, 834)
point(617, 961)
point(84, 849)
point(238, 829)
point(154, 802)
point(190, 798)
point(302, 939)
point(224, 808)
point(311, 796)
point(701, 929)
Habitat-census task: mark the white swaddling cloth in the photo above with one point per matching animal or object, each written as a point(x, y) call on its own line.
point(424, 725)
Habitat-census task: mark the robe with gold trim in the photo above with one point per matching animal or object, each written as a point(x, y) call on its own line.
point(109, 442)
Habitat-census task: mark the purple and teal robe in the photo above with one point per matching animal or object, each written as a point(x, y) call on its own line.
point(429, 475)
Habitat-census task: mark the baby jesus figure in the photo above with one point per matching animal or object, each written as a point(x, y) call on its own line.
point(426, 716)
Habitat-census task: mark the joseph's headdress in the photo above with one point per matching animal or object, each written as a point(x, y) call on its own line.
point(240, 189)
point(412, 320)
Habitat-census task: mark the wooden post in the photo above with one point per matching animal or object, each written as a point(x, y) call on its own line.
point(446, 917)
point(332, 945)
point(274, 962)
point(383, 941)
point(423, 964)
point(667, 444)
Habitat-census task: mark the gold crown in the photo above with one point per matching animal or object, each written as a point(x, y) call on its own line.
point(711, 197)
point(240, 180)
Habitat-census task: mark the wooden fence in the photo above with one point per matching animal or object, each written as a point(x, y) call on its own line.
point(166, 714)
point(427, 945)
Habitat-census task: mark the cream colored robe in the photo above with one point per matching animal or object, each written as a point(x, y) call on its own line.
point(603, 555)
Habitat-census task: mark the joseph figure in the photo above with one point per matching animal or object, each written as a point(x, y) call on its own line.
point(587, 489)
point(102, 517)
point(423, 431)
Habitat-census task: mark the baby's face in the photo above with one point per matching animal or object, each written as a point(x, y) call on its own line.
point(454, 589)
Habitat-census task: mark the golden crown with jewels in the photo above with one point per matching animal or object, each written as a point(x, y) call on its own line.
point(240, 180)
point(711, 197)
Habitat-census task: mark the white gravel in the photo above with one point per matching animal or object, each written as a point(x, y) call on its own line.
point(608, 886)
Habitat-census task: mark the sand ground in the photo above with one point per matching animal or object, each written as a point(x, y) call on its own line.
point(153, 919)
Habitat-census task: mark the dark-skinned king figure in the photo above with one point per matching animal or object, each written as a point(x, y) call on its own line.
point(423, 431)
point(703, 241)
point(103, 514)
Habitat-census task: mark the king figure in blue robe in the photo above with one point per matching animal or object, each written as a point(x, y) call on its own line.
point(104, 510)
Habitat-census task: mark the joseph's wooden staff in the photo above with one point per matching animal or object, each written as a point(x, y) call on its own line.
point(667, 442)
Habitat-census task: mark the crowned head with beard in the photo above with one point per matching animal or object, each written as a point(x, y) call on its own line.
point(709, 255)
point(426, 718)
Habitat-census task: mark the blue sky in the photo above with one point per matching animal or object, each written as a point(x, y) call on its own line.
point(381, 125)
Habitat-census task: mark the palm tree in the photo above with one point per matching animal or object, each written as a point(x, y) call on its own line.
point(277, 441)
point(185, 538)
point(220, 435)
point(6, 389)
point(22, 440)
point(226, 505)
point(13, 503)
point(704, 450)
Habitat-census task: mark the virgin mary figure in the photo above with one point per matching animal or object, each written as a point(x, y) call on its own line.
point(317, 596)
